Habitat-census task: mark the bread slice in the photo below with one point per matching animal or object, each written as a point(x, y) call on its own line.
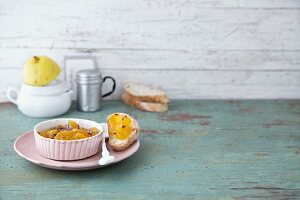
point(145, 93)
point(120, 145)
point(145, 106)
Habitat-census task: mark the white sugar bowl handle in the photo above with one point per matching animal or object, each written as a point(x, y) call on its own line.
point(11, 90)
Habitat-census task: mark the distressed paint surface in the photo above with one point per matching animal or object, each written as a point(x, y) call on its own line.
point(191, 48)
point(200, 149)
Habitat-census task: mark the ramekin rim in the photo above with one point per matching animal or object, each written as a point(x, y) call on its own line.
point(63, 141)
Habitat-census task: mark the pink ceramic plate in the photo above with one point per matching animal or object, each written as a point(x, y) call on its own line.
point(25, 147)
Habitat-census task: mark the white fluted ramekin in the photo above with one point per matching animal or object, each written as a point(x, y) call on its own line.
point(67, 149)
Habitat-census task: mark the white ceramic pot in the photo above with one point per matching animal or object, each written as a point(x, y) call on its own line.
point(42, 101)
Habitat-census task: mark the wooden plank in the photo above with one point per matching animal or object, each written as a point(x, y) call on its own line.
point(116, 59)
point(144, 5)
point(220, 42)
point(188, 27)
point(185, 84)
point(198, 150)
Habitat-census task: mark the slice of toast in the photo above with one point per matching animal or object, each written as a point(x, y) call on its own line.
point(118, 144)
point(145, 106)
point(145, 93)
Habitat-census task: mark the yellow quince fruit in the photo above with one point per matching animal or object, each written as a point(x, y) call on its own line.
point(40, 71)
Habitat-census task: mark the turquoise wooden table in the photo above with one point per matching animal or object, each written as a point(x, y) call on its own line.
point(198, 150)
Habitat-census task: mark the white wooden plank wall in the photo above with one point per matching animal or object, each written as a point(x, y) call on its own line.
point(190, 48)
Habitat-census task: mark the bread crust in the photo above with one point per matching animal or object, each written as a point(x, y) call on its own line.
point(120, 145)
point(162, 98)
point(145, 106)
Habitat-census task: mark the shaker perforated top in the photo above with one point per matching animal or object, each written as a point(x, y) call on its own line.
point(89, 76)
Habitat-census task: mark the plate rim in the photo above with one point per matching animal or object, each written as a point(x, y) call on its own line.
point(62, 167)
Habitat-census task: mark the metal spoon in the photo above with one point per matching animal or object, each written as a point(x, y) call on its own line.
point(106, 158)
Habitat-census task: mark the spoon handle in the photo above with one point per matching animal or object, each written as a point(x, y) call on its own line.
point(106, 158)
point(104, 149)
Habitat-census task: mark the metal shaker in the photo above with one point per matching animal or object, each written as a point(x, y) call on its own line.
point(89, 89)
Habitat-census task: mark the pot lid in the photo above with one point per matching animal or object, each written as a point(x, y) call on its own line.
point(56, 87)
point(89, 76)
